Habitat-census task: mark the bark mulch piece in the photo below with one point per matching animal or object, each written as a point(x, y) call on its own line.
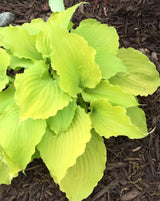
point(133, 166)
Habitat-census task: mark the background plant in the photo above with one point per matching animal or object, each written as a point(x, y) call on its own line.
point(76, 88)
point(56, 5)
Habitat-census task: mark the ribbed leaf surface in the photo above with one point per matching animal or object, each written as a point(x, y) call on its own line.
point(6, 97)
point(16, 63)
point(143, 79)
point(35, 26)
point(19, 139)
point(59, 152)
point(4, 62)
point(74, 62)
point(3, 82)
point(138, 118)
point(80, 179)
point(62, 19)
point(103, 38)
point(111, 92)
point(10, 37)
point(62, 120)
point(44, 41)
point(109, 64)
point(8, 169)
point(111, 120)
point(37, 94)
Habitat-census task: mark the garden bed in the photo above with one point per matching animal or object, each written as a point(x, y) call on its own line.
point(133, 166)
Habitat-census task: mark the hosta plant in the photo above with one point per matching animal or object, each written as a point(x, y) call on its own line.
point(72, 88)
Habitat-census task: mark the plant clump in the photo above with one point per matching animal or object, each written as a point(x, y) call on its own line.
point(75, 87)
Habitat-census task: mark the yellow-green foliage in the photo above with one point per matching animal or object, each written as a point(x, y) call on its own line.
point(77, 87)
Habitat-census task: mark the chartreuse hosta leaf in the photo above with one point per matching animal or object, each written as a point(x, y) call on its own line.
point(80, 179)
point(111, 92)
point(46, 32)
point(74, 62)
point(59, 152)
point(63, 18)
point(110, 65)
point(17, 63)
point(6, 97)
point(104, 39)
point(61, 121)
point(4, 171)
point(3, 82)
point(35, 26)
point(143, 79)
point(19, 139)
point(137, 117)
point(4, 62)
point(43, 42)
point(44, 38)
point(8, 168)
point(20, 42)
point(111, 120)
point(37, 94)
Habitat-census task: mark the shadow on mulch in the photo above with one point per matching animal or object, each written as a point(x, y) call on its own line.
point(133, 166)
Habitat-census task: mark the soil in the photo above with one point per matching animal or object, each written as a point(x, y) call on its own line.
point(133, 166)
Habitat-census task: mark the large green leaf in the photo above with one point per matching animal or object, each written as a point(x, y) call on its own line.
point(63, 18)
point(37, 94)
point(44, 38)
point(35, 26)
point(17, 63)
point(4, 62)
point(138, 118)
point(111, 92)
point(4, 171)
point(6, 97)
point(3, 82)
point(74, 62)
point(62, 120)
point(20, 42)
point(8, 168)
point(80, 179)
point(103, 38)
point(59, 152)
point(43, 42)
point(19, 139)
point(110, 65)
point(111, 120)
point(143, 79)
